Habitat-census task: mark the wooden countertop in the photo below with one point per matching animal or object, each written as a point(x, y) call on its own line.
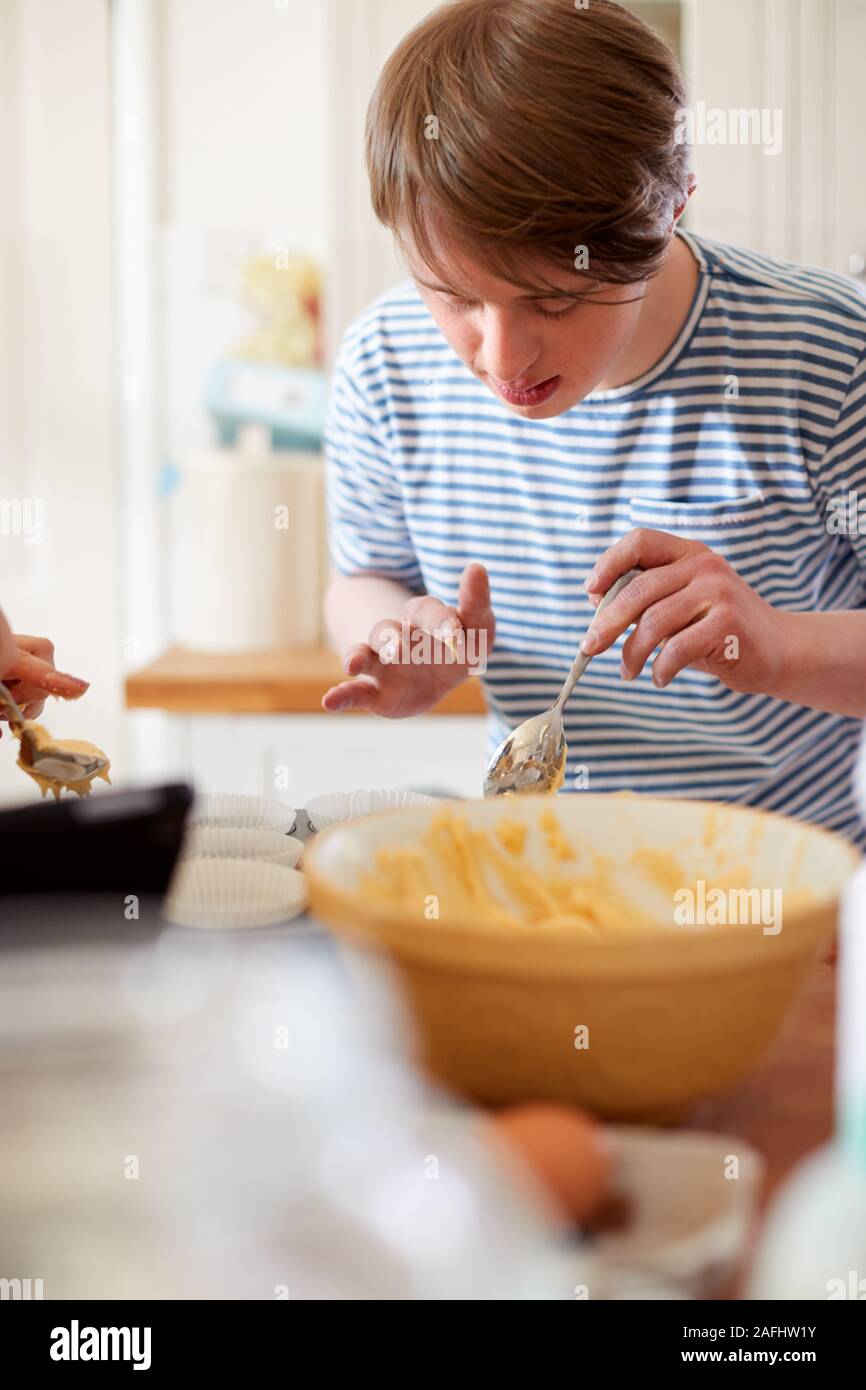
point(785, 1107)
point(286, 681)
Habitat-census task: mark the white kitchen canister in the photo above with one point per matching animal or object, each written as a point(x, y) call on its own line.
point(247, 548)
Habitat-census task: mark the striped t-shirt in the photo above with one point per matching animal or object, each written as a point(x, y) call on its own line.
point(748, 435)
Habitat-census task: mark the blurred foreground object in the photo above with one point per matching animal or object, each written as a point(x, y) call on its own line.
point(121, 841)
point(202, 1118)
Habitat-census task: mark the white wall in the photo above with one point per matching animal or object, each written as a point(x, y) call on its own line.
point(361, 258)
point(804, 58)
point(56, 413)
point(237, 143)
point(242, 109)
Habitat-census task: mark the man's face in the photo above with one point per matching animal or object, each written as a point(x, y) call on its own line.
point(537, 355)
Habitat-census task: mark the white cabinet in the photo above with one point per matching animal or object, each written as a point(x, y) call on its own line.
point(295, 757)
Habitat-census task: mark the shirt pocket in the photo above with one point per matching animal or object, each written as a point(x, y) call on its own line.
point(732, 527)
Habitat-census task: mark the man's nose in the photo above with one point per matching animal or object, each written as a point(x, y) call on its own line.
point(505, 353)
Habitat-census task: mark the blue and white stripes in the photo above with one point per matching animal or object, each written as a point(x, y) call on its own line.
point(751, 427)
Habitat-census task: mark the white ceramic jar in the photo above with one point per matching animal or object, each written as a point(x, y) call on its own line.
point(247, 548)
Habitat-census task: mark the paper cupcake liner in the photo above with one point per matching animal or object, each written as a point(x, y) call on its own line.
point(226, 811)
point(336, 806)
point(228, 842)
point(221, 893)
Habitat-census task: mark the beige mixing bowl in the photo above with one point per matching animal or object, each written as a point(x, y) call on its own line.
point(670, 1013)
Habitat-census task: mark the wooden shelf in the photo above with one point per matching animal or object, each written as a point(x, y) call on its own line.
point(288, 681)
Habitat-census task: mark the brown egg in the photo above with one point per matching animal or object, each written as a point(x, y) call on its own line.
point(567, 1151)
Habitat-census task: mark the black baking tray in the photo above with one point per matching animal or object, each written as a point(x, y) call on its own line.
point(122, 841)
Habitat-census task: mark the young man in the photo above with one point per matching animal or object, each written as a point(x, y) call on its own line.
point(571, 387)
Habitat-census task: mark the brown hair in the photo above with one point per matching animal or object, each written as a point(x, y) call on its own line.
point(554, 128)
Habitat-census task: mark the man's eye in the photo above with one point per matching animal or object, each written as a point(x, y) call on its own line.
point(462, 306)
point(458, 306)
point(556, 313)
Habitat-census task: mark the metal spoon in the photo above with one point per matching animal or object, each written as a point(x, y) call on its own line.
point(52, 761)
point(532, 757)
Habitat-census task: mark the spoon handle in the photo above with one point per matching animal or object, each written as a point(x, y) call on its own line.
point(16, 718)
point(582, 660)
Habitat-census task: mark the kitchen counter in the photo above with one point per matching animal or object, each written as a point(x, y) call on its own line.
point(285, 681)
point(785, 1107)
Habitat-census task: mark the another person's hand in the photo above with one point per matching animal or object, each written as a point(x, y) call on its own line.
point(29, 673)
point(694, 607)
point(7, 646)
point(406, 667)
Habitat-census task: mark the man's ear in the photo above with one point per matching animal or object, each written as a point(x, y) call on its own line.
point(681, 206)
